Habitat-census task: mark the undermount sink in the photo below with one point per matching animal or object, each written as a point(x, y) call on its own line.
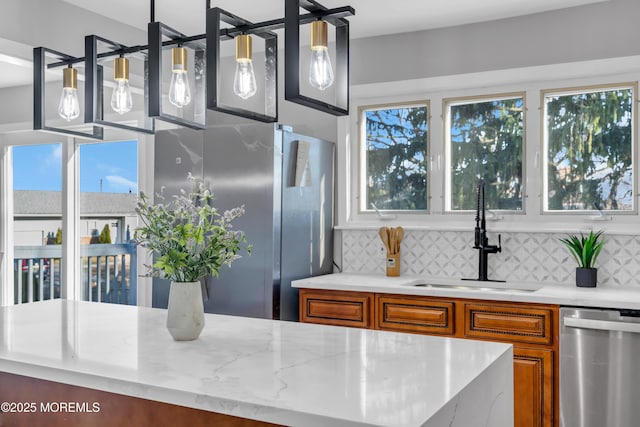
point(482, 286)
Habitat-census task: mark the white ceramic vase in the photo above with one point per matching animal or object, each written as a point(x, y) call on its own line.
point(185, 316)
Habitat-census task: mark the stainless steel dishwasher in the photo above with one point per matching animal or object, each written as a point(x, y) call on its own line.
point(599, 367)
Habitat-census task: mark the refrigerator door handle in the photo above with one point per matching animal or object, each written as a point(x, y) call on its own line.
point(601, 325)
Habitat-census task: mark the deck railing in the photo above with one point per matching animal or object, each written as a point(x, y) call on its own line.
point(108, 271)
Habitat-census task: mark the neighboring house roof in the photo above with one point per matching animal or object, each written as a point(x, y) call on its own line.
point(49, 203)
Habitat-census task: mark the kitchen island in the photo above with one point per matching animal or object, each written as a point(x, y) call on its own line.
point(80, 363)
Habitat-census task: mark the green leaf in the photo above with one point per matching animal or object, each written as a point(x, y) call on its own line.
point(187, 235)
point(585, 249)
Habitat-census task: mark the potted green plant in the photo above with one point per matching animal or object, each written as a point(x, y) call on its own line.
point(585, 250)
point(191, 241)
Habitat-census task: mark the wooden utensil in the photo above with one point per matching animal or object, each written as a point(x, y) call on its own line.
point(392, 241)
point(384, 235)
point(400, 236)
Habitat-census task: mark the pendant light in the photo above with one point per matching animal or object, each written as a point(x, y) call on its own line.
point(121, 100)
point(179, 92)
point(320, 71)
point(244, 81)
point(210, 83)
point(69, 107)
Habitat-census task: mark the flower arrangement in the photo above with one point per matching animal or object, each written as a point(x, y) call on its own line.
point(190, 239)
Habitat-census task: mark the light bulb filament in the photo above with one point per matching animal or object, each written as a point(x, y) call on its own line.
point(320, 70)
point(179, 91)
point(69, 107)
point(244, 80)
point(121, 100)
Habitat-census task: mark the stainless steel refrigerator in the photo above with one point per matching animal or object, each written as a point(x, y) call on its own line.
point(285, 181)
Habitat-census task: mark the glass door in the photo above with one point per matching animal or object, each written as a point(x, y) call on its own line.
point(108, 194)
point(37, 222)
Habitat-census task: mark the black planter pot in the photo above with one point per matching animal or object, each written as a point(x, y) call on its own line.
point(586, 277)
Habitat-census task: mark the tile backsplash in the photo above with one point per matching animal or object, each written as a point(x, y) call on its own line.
point(538, 257)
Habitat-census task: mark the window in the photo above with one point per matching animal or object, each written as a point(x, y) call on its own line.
point(37, 222)
point(107, 261)
point(108, 196)
point(485, 141)
point(588, 140)
point(394, 140)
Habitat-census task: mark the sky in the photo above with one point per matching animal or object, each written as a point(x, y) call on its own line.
point(112, 166)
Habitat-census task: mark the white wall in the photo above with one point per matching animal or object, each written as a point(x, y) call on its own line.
point(602, 30)
point(60, 26)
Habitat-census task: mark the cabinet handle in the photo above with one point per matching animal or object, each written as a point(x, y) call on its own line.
point(601, 325)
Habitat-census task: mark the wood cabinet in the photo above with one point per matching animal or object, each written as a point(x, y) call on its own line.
point(533, 331)
point(533, 392)
point(531, 328)
point(414, 314)
point(509, 322)
point(337, 308)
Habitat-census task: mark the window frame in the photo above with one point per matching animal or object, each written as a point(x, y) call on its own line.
point(70, 206)
point(544, 164)
point(362, 157)
point(447, 102)
point(528, 79)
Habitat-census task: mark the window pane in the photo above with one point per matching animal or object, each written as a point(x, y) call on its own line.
point(485, 141)
point(37, 222)
point(396, 150)
point(589, 146)
point(108, 195)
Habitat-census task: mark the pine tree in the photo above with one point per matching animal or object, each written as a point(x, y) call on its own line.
point(105, 235)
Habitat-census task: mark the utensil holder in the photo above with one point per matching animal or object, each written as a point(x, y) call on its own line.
point(393, 264)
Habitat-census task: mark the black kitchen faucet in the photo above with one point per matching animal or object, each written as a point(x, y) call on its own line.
point(481, 241)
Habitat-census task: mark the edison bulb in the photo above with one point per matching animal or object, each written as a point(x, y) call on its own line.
point(244, 81)
point(320, 71)
point(179, 92)
point(69, 107)
point(121, 100)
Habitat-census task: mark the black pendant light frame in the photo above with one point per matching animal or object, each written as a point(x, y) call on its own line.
point(292, 22)
point(215, 33)
point(39, 117)
point(156, 31)
point(207, 72)
point(94, 85)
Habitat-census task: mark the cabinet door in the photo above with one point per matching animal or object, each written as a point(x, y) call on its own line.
point(523, 323)
point(414, 314)
point(533, 387)
point(340, 308)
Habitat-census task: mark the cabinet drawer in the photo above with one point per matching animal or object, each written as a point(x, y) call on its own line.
point(406, 314)
point(337, 308)
point(509, 323)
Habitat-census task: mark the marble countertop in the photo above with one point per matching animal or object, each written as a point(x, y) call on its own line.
point(282, 372)
point(456, 288)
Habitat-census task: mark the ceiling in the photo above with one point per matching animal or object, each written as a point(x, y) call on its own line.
point(372, 18)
